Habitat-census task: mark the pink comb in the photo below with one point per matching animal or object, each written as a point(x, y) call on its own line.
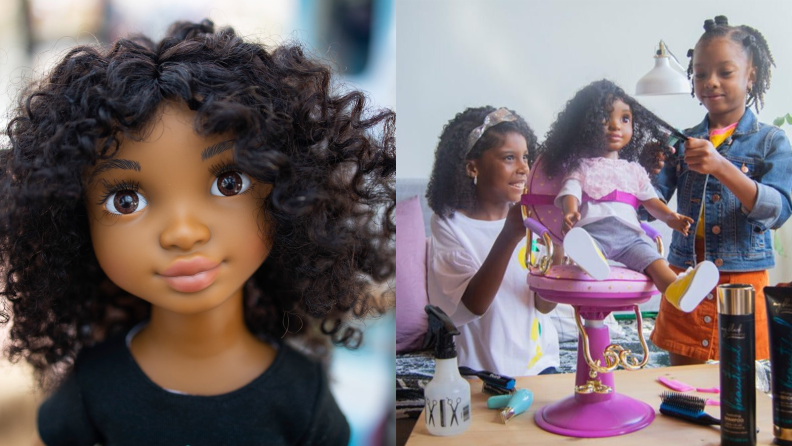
point(675, 385)
point(708, 390)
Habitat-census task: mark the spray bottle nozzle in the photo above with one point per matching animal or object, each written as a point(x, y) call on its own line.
point(445, 348)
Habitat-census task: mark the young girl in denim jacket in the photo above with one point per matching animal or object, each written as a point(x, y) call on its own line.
point(733, 176)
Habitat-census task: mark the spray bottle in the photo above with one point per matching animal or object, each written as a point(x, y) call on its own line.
point(447, 395)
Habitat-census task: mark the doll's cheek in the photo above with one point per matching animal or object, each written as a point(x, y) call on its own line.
point(120, 259)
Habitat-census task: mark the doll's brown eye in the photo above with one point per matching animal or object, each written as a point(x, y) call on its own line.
point(230, 183)
point(125, 202)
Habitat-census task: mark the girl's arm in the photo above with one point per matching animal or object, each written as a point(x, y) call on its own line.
point(701, 157)
point(542, 305)
point(664, 183)
point(660, 211)
point(482, 288)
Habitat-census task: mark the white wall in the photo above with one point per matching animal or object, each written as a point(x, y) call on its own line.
point(532, 56)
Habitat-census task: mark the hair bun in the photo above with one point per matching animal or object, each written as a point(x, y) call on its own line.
point(690, 53)
point(708, 25)
point(721, 20)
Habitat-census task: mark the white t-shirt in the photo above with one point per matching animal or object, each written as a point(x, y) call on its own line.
point(512, 337)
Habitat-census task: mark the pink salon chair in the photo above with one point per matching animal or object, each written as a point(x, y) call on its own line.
point(595, 409)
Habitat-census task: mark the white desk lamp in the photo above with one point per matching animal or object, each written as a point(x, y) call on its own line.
point(667, 76)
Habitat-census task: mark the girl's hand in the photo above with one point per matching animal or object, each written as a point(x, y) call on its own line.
point(570, 218)
point(514, 227)
point(653, 157)
point(679, 222)
point(701, 156)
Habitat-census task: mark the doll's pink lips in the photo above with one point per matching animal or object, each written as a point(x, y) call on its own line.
point(614, 136)
point(190, 276)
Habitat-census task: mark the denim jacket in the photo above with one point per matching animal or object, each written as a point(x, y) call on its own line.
point(735, 240)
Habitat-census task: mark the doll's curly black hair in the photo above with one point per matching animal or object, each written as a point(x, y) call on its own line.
point(331, 161)
point(754, 44)
point(578, 131)
point(450, 188)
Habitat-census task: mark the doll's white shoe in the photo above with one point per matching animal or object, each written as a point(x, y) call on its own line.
point(580, 246)
point(692, 286)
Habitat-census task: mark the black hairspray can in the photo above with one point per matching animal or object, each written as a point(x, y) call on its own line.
point(737, 364)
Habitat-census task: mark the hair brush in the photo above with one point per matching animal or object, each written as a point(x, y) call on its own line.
point(686, 407)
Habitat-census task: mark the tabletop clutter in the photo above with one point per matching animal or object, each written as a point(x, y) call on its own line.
point(447, 410)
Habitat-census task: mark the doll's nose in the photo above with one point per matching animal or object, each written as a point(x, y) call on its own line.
point(184, 231)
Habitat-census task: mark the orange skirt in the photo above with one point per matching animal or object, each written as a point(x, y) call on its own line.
point(695, 334)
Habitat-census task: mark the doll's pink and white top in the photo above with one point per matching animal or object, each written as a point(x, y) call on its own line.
point(600, 177)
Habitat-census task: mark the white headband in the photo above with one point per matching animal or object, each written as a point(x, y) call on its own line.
point(492, 119)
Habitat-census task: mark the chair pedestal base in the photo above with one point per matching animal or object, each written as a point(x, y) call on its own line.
point(616, 416)
point(595, 409)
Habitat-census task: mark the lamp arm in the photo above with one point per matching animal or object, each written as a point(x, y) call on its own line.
point(674, 61)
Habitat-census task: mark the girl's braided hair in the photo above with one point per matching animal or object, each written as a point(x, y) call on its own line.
point(754, 44)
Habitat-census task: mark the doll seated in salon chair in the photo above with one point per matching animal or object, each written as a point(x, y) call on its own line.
point(621, 289)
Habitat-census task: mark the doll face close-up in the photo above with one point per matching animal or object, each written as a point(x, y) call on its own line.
point(722, 74)
point(172, 221)
point(502, 171)
point(618, 126)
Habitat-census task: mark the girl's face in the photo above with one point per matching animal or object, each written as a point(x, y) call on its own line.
point(501, 172)
point(722, 74)
point(172, 221)
point(618, 128)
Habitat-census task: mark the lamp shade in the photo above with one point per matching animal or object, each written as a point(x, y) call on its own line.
point(663, 79)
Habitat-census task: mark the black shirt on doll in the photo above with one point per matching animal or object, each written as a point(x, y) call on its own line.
point(108, 400)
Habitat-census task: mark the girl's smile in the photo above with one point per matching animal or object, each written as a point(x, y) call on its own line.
point(722, 74)
point(501, 174)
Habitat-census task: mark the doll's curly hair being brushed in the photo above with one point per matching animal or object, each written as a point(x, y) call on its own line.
point(331, 161)
point(578, 133)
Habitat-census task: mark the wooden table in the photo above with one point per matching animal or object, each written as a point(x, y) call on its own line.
point(486, 429)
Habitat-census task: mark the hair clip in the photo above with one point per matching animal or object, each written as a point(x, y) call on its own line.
point(690, 53)
point(492, 119)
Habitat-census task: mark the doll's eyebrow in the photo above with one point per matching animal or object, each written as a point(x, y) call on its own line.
point(216, 149)
point(115, 164)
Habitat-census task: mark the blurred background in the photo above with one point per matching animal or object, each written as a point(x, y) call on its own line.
point(358, 36)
